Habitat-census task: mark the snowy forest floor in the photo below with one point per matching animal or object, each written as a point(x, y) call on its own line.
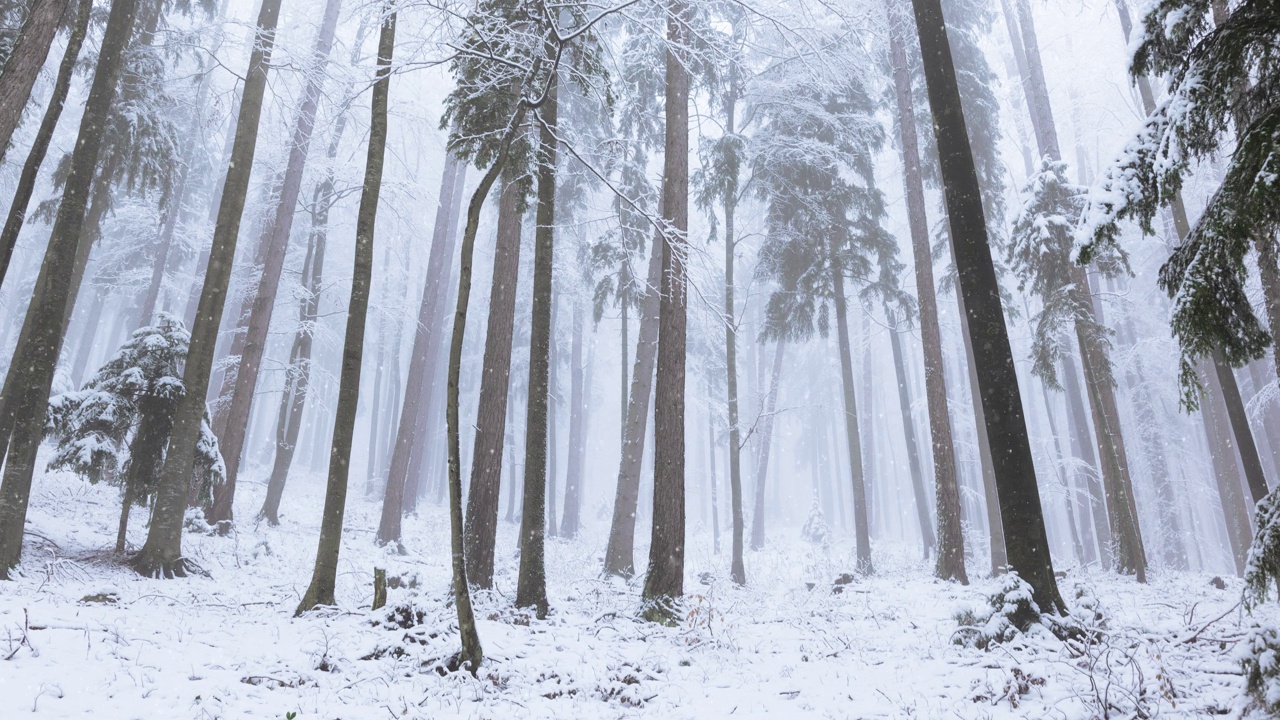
point(227, 646)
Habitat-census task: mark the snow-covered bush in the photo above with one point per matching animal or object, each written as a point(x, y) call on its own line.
point(815, 528)
point(1262, 569)
point(116, 428)
point(1259, 656)
point(1010, 611)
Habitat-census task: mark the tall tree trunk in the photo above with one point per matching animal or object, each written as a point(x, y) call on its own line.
point(909, 432)
point(1082, 448)
point(24, 63)
point(1239, 421)
point(531, 586)
point(570, 520)
point(1127, 546)
point(255, 340)
point(715, 499)
point(1235, 514)
point(162, 553)
point(425, 339)
point(620, 552)
point(737, 568)
point(664, 581)
point(995, 525)
point(766, 439)
point(853, 434)
point(325, 574)
point(40, 147)
point(481, 529)
point(553, 402)
point(1077, 545)
point(31, 375)
point(1022, 517)
point(950, 565)
point(432, 403)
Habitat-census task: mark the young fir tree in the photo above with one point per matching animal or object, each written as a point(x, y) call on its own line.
point(116, 428)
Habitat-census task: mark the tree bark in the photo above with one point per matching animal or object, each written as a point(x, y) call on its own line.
point(620, 552)
point(40, 147)
point(995, 526)
point(766, 439)
point(1235, 514)
point(255, 338)
point(715, 499)
point(553, 402)
point(481, 528)
point(664, 581)
point(737, 568)
point(425, 339)
point(531, 586)
point(325, 574)
point(1020, 509)
point(162, 553)
point(31, 375)
point(24, 64)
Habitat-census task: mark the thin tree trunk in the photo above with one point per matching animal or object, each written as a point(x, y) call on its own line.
point(481, 529)
point(1225, 471)
point(1077, 545)
point(425, 339)
point(531, 586)
point(162, 553)
point(553, 402)
point(24, 63)
point(40, 147)
point(909, 431)
point(1239, 421)
point(325, 574)
point(1020, 510)
point(715, 500)
point(255, 335)
point(766, 439)
point(570, 520)
point(31, 375)
point(619, 555)
point(664, 581)
point(853, 435)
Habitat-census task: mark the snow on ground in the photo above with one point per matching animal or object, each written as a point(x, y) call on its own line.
point(227, 646)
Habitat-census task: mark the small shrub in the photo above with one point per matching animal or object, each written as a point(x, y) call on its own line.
point(1010, 612)
point(1259, 656)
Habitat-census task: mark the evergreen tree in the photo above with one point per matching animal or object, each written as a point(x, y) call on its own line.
point(116, 427)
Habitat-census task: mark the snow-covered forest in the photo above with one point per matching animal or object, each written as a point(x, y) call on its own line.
point(640, 358)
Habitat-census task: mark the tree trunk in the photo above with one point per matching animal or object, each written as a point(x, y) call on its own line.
point(1020, 510)
point(950, 565)
point(715, 500)
point(146, 456)
point(570, 520)
point(909, 432)
point(425, 339)
point(1243, 436)
point(553, 402)
point(1235, 514)
point(766, 439)
point(664, 581)
point(264, 301)
point(995, 525)
point(1077, 545)
point(531, 587)
point(1082, 448)
point(40, 147)
point(162, 553)
point(853, 435)
point(481, 528)
point(619, 555)
point(325, 574)
point(31, 375)
point(24, 63)
point(737, 568)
